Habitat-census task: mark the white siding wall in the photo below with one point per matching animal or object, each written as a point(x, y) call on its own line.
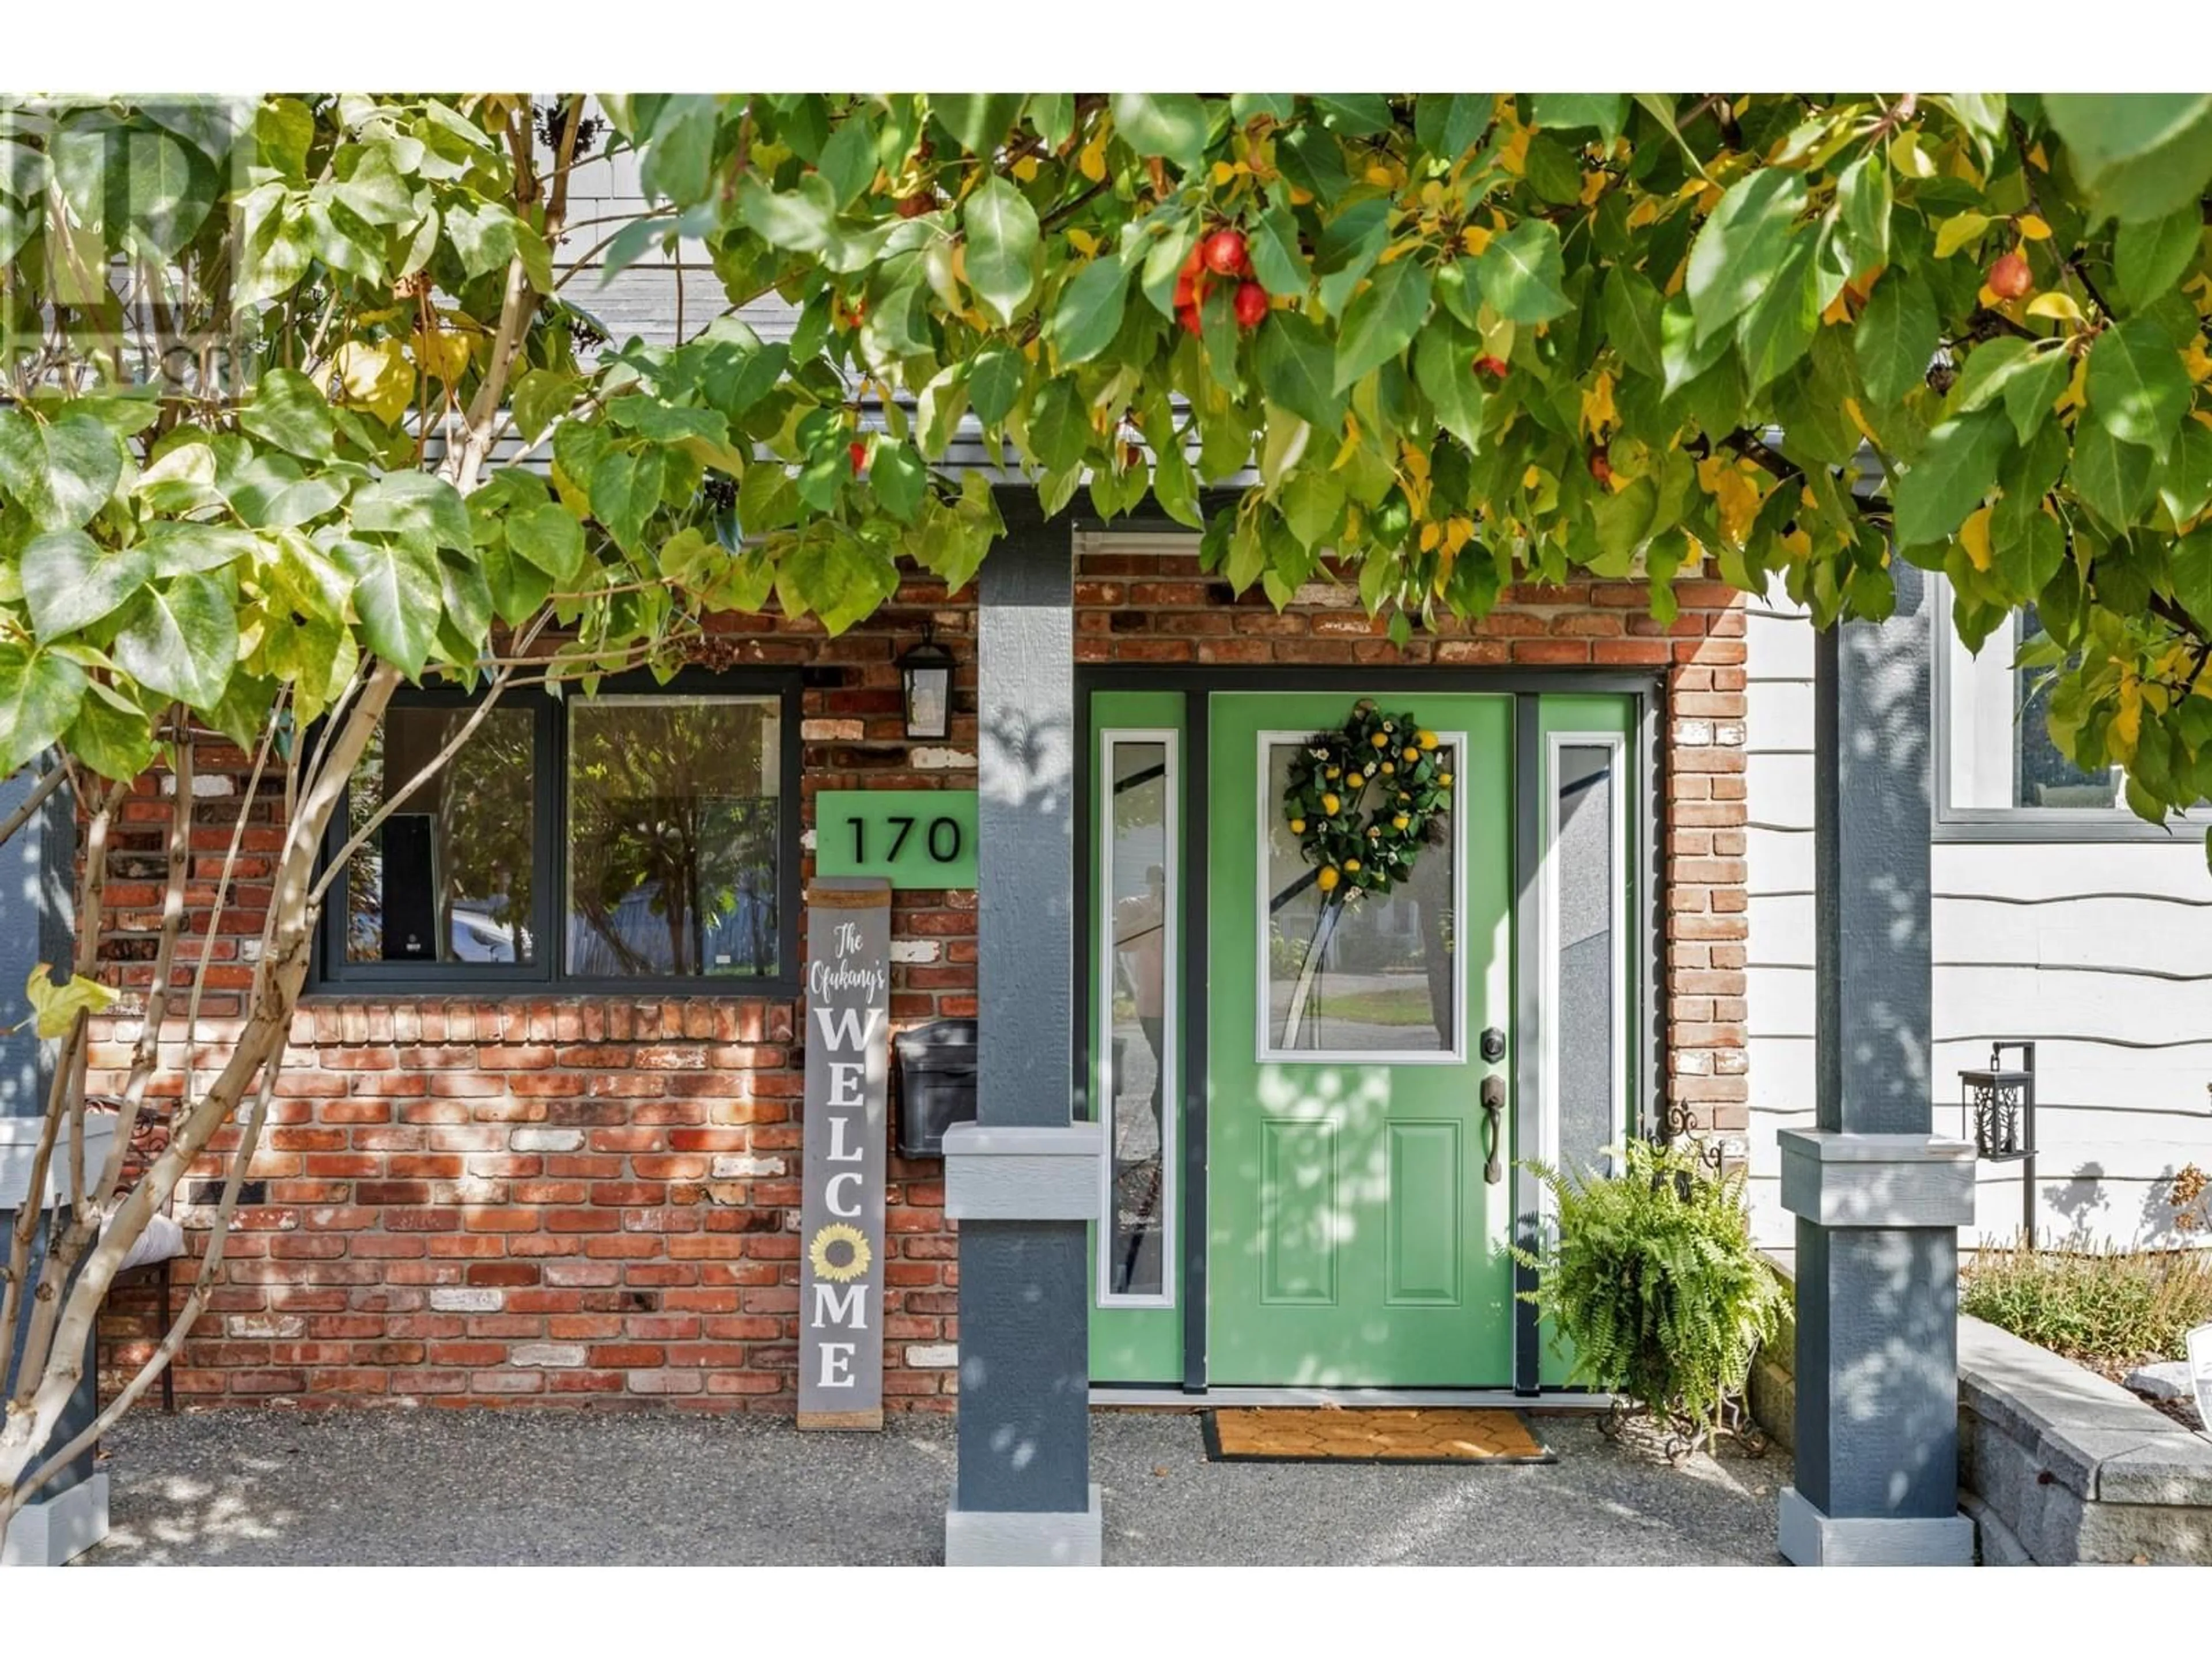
point(2100, 952)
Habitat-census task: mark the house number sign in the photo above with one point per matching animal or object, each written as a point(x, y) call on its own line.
point(910, 837)
point(840, 1212)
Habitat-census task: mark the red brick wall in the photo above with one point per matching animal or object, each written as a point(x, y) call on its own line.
point(562, 1198)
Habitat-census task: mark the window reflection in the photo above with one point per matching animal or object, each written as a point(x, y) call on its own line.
point(1588, 1003)
point(671, 822)
point(1140, 1010)
point(1371, 976)
point(446, 876)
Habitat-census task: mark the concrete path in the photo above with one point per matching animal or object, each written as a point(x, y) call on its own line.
point(424, 1487)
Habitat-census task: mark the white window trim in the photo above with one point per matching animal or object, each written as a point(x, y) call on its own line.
point(1264, 1051)
point(1170, 1057)
point(2012, 824)
point(1548, 946)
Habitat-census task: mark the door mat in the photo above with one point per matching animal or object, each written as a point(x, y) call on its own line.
point(1276, 1434)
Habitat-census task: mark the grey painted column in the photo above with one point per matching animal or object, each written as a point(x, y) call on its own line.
point(1023, 1180)
point(1878, 1197)
point(37, 915)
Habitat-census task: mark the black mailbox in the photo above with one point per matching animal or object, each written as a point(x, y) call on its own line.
point(937, 1084)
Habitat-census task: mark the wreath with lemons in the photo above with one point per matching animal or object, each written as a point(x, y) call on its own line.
point(1386, 766)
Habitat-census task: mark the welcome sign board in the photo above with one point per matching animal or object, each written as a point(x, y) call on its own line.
point(841, 1272)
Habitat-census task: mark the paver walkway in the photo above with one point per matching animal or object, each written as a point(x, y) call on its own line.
point(428, 1486)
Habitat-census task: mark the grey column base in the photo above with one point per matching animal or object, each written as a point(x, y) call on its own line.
point(1810, 1539)
point(56, 1530)
point(1025, 1538)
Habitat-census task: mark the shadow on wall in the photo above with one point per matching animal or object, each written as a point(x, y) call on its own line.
point(1027, 762)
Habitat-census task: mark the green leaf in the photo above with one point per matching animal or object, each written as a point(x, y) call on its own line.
point(1298, 370)
point(836, 576)
point(550, 538)
point(848, 160)
point(182, 640)
point(1740, 247)
point(289, 411)
point(2114, 480)
point(71, 582)
point(1896, 336)
point(2140, 155)
point(1522, 273)
point(1379, 324)
point(1002, 246)
point(994, 382)
point(1089, 313)
point(398, 595)
point(1778, 328)
point(1059, 426)
point(1277, 262)
point(2030, 392)
point(466, 598)
point(899, 480)
point(2185, 484)
point(980, 120)
point(40, 694)
point(179, 548)
point(60, 473)
point(542, 396)
point(273, 492)
point(2149, 256)
point(1605, 112)
point(1955, 470)
point(2191, 565)
point(680, 149)
point(1169, 123)
point(112, 735)
point(1444, 366)
point(1684, 357)
point(2136, 386)
point(415, 505)
point(1632, 311)
point(1863, 210)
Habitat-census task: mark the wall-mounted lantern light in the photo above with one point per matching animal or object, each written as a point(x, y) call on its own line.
point(2000, 1104)
point(928, 670)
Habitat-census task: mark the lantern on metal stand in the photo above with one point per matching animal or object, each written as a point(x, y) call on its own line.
point(1999, 1105)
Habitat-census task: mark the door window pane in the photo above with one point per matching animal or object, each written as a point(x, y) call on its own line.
point(1589, 1001)
point(1139, 1014)
point(446, 876)
point(1368, 975)
point(672, 837)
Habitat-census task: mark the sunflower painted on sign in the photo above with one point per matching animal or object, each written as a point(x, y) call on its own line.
point(856, 1261)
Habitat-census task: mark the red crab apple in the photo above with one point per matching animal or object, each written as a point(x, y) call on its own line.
point(2009, 276)
point(1225, 253)
point(1187, 316)
point(1251, 305)
point(1493, 366)
point(859, 452)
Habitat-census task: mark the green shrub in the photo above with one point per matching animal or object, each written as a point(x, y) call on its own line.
point(1650, 1281)
point(2104, 1307)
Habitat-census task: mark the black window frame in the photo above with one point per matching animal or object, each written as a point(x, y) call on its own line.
point(549, 854)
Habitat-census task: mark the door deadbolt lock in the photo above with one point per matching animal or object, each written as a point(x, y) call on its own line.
point(1494, 1045)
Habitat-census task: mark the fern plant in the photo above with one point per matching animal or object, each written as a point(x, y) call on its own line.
point(1650, 1281)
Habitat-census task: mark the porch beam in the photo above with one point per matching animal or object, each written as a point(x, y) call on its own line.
point(1878, 1196)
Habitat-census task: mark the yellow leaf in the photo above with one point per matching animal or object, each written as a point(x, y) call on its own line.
point(1594, 183)
point(2076, 393)
point(1974, 536)
point(1431, 533)
point(55, 1007)
point(1458, 532)
point(1734, 494)
point(1474, 239)
point(1989, 299)
point(1957, 231)
point(1083, 242)
point(376, 376)
point(2032, 228)
point(1091, 161)
point(1644, 213)
point(1514, 158)
point(2059, 308)
point(1907, 159)
point(1838, 310)
point(2127, 724)
point(1532, 477)
point(1026, 168)
point(1599, 415)
point(444, 354)
point(2039, 160)
point(1379, 174)
point(2195, 360)
point(1223, 172)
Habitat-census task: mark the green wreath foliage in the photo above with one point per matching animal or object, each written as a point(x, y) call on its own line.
point(1650, 1282)
point(1390, 758)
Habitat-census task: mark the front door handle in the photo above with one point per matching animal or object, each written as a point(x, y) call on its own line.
point(1493, 1102)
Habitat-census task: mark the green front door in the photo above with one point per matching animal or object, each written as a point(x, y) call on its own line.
point(1358, 1195)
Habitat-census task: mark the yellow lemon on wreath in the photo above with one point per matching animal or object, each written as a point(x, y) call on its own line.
point(1381, 741)
point(1329, 804)
point(1426, 739)
point(1334, 772)
point(1399, 823)
point(1327, 880)
point(1388, 767)
point(1298, 826)
point(1444, 780)
point(1352, 866)
point(1412, 753)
